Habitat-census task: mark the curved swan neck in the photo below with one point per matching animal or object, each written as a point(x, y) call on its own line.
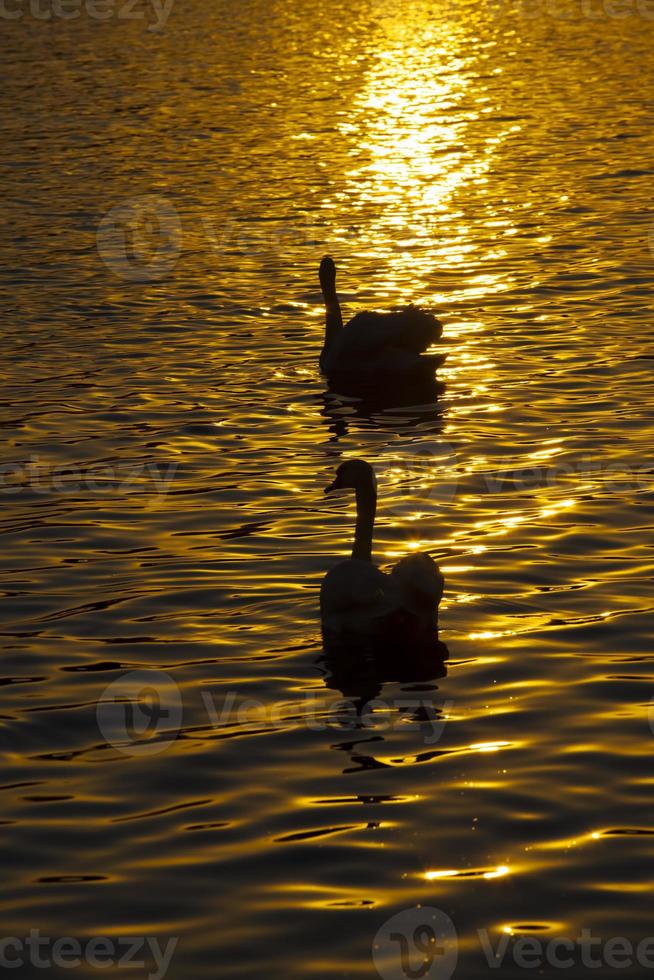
point(333, 316)
point(366, 497)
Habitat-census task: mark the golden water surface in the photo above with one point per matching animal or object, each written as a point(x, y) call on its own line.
point(168, 439)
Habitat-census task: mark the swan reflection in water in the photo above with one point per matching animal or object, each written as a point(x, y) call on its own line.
point(361, 674)
point(393, 407)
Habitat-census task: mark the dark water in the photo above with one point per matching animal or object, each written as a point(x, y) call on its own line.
point(168, 438)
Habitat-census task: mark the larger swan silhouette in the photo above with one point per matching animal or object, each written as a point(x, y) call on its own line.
point(376, 346)
point(357, 599)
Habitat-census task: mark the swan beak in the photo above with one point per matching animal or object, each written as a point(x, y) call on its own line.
point(336, 485)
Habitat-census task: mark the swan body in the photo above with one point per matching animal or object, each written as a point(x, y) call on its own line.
point(376, 345)
point(357, 598)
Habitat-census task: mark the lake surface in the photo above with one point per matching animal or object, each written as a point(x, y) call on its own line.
point(167, 198)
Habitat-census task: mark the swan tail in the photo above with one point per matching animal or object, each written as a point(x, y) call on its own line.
point(420, 581)
point(417, 329)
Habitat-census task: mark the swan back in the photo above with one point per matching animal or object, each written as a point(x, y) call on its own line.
point(385, 343)
point(410, 329)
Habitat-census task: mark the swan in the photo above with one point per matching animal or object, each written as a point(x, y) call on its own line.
point(376, 345)
point(357, 598)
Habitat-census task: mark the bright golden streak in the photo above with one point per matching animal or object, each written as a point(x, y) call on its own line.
point(488, 746)
point(498, 873)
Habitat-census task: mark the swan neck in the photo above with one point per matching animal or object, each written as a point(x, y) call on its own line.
point(366, 498)
point(332, 329)
point(333, 315)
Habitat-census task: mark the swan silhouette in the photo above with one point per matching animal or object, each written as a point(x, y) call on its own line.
point(357, 599)
point(376, 346)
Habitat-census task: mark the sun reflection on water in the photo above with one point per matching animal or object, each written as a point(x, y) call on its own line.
point(410, 160)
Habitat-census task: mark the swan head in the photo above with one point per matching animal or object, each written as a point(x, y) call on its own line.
point(327, 274)
point(353, 474)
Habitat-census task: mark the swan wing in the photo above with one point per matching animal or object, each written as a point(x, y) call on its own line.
point(410, 329)
point(391, 342)
point(354, 595)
